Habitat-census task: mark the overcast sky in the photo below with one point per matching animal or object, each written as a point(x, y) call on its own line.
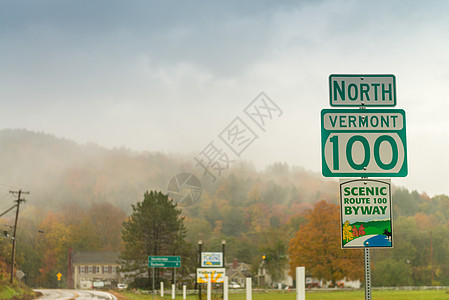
point(172, 75)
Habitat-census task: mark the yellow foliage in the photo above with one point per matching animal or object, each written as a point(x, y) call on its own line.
point(347, 232)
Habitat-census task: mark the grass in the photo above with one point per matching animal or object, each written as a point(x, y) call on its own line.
point(381, 295)
point(7, 292)
point(15, 291)
point(337, 295)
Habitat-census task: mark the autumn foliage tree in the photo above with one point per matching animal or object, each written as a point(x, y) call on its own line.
point(317, 247)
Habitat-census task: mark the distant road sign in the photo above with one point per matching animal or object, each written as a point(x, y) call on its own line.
point(20, 274)
point(211, 259)
point(362, 90)
point(164, 261)
point(363, 142)
point(169, 264)
point(216, 275)
point(366, 220)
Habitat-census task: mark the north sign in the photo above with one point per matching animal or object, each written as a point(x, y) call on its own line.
point(363, 142)
point(362, 90)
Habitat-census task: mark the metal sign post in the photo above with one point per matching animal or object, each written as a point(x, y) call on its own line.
point(367, 275)
point(163, 262)
point(154, 291)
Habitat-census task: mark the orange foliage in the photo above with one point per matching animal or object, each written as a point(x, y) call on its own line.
point(316, 246)
point(424, 221)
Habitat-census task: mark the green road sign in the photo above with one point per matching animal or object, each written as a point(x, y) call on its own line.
point(366, 220)
point(363, 142)
point(164, 258)
point(164, 261)
point(169, 264)
point(362, 90)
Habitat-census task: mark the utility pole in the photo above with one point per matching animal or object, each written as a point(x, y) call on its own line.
point(13, 256)
point(200, 250)
point(431, 259)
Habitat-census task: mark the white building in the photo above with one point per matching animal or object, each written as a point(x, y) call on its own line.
point(95, 270)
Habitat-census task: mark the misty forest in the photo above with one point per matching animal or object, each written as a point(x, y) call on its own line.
point(80, 196)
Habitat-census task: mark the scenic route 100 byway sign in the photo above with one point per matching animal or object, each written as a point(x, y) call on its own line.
point(366, 213)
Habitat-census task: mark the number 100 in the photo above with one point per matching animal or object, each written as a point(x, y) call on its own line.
point(366, 156)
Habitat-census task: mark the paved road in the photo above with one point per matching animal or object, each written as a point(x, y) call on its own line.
point(74, 294)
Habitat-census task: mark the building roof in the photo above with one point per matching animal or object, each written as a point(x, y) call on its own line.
point(95, 257)
point(238, 269)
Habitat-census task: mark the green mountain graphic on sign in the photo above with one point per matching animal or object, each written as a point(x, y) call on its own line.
point(360, 229)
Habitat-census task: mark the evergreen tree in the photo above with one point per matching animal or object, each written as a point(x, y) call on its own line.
point(155, 227)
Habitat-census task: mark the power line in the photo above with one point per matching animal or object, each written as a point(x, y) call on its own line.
point(8, 210)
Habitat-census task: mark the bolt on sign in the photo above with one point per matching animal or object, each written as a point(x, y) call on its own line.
point(362, 90)
point(366, 220)
point(216, 275)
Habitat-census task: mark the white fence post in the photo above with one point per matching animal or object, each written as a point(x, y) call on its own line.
point(209, 289)
point(249, 288)
point(225, 288)
point(184, 292)
point(162, 289)
point(300, 283)
point(173, 291)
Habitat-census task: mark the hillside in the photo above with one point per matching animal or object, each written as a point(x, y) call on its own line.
point(81, 194)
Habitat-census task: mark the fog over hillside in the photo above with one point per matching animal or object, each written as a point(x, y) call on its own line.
point(57, 170)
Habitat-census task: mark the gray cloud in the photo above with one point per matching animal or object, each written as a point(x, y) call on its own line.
point(170, 75)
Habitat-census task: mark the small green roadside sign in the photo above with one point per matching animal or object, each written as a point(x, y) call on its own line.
point(164, 261)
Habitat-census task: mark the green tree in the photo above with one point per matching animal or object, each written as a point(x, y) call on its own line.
point(391, 272)
point(234, 222)
point(155, 227)
point(276, 260)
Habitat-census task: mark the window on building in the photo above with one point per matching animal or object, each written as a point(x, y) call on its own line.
point(90, 269)
point(81, 269)
point(97, 269)
point(114, 270)
point(105, 269)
